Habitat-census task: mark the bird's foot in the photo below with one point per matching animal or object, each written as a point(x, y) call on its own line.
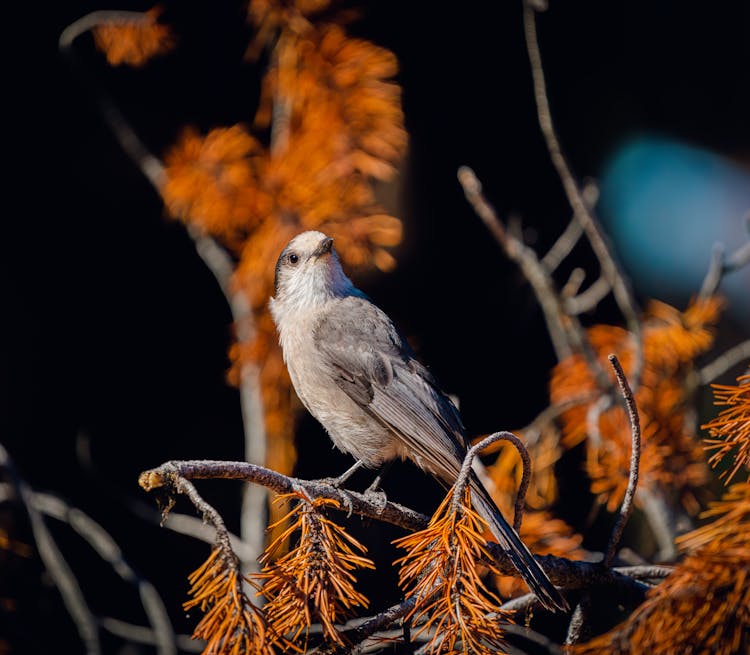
point(377, 497)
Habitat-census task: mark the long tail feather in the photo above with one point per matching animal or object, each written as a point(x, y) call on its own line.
point(519, 554)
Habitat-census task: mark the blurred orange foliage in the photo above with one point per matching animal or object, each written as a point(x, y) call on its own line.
point(671, 458)
point(134, 40)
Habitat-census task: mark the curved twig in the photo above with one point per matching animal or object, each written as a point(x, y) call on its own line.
point(635, 459)
point(463, 476)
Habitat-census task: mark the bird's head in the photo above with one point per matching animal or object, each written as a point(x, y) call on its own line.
point(308, 272)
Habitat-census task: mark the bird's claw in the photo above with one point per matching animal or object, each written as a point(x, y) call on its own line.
point(377, 497)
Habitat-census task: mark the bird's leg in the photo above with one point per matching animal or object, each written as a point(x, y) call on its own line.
point(339, 481)
point(381, 474)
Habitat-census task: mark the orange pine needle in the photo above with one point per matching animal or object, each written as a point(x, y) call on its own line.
point(314, 581)
point(730, 430)
point(231, 624)
point(441, 569)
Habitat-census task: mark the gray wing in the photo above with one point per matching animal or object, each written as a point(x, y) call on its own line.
point(371, 361)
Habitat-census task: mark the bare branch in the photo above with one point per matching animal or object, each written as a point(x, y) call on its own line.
point(721, 264)
point(661, 521)
point(167, 474)
point(562, 571)
point(645, 571)
point(566, 332)
point(106, 547)
point(368, 628)
point(562, 247)
point(610, 268)
point(635, 459)
point(577, 622)
point(572, 234)
point(55, 563)
point(142, 635)
point(532, 431)
point(588, 299)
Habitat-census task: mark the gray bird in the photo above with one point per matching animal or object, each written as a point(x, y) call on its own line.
point(356, 374)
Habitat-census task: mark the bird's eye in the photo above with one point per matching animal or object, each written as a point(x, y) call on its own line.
point(293, 258)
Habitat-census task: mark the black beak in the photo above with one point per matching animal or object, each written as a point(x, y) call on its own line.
point(324, 247)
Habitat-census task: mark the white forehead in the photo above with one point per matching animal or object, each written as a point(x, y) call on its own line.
point(307, 241)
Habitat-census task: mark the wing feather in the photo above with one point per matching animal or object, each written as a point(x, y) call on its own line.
point(372, 362)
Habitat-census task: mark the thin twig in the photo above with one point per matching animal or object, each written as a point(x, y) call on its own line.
point(635, 458)
point(588, 300)
point(610, 268)
point(562, 247)
point(377, 623)
point(463, 476)
point(645, 571)
point(566, 332)
point(142, 635)
point(106, 547)
point(577, 621)
point(534, 429)
point(55, 563)
point(572, 233)
point(661, 520)
point(720, 264)
point(724, 362)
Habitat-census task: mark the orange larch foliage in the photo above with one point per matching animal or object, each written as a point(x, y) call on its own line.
point(671, 456)
point(231, 624)
point(442, 571)
point(703, 607)
point(314, 581)
point(134, 40)
point(730, 430)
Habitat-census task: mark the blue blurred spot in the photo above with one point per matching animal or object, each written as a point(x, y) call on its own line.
point(665, 204)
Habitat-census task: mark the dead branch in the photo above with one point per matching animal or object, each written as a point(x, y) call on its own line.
point(169, 473)
point(55, 563)
point(635, 457)
point(563, 572)
point(566, 332)
point(610, 268)
point(105, 546)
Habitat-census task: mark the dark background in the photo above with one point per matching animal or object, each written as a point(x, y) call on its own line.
point(115, 350)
